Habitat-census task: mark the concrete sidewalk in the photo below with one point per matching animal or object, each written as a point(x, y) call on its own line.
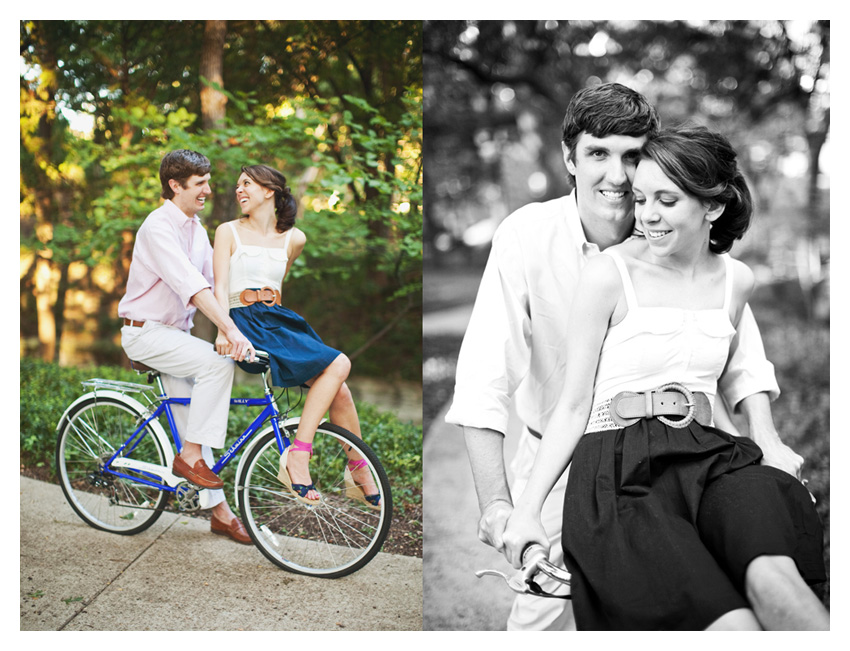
point(178, 576)
point(455, 599)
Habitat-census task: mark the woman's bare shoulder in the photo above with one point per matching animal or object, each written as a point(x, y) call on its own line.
point(630, 249)
point(744, 279)
point(298, 239)
point(226, 227)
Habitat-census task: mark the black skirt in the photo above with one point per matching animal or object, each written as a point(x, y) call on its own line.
point(660, 524)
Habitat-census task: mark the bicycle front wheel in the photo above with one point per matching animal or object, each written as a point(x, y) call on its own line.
point(332, 539)
point(88, 439)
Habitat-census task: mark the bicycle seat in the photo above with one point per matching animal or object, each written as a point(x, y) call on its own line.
point(142, 368)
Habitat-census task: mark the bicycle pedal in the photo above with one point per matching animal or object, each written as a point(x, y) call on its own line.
point(186, 495)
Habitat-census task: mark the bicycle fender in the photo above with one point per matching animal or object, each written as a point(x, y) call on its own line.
point(155, 425)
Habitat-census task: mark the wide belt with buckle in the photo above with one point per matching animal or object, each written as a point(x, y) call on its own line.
point(673, 399)
point(266, 295)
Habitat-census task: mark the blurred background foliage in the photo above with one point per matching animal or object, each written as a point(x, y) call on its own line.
point(335, 105)
point(495, 93)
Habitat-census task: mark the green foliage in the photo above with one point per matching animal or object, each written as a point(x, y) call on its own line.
point(344, 127)
point(361, 213)
point(47, 389)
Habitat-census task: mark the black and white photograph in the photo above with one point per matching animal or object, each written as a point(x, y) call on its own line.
point(573, 314)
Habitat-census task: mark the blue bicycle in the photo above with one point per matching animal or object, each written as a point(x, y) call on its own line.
point(114, 463)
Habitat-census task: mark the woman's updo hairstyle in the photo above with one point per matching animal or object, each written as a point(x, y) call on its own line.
point(285, 206)
point(703, 164)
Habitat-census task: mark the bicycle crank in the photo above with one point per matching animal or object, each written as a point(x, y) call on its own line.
point(187, 497)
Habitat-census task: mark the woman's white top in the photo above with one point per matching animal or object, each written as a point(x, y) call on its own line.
point(253, 267)
point(652, 346)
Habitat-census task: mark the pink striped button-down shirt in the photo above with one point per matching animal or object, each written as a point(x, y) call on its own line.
point(172, 261)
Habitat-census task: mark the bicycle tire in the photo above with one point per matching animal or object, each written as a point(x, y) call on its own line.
point(333, 539)
point(88, 436)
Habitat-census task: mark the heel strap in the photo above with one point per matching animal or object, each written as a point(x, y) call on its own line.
point(354, 465)
point(301, 446)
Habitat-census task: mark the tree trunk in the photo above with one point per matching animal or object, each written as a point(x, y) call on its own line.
point(59, 309)
point(213, 102)
point(213, 111)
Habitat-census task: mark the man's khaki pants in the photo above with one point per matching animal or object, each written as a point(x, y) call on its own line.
point(190, 368)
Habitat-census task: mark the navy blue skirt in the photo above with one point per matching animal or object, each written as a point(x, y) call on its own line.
point(297, 353)
point(661, 523)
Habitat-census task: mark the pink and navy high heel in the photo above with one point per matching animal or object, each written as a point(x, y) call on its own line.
point(300, 491)
point(354, 491)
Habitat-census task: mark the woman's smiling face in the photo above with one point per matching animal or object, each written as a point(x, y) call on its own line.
point(249, 193)
point(672, 220)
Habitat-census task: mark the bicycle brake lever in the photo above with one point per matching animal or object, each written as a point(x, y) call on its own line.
point(522, 581)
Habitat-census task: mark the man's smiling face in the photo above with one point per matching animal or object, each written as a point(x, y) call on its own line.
point(604, 169)
point(191, 197)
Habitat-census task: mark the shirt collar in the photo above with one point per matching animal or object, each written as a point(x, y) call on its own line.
point(178, 216)
point(574, 224)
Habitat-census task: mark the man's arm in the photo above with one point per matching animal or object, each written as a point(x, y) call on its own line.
point(493, 359)
point(748, 384)
point(207, 303)
point(762, 430)
point(748, 371)
point(485, 448)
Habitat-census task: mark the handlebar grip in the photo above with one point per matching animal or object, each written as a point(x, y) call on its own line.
point(531, 552)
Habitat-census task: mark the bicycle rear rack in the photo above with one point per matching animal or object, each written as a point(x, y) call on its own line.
point(116, 385)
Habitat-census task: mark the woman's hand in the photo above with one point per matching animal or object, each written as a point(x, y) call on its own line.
point(523, 529)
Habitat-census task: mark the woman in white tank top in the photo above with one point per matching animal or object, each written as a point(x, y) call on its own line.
point(251, 257)
point(664, 520)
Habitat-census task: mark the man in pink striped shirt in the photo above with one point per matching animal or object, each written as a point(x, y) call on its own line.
point(170, 278)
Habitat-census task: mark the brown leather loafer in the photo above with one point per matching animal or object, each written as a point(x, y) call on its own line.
point(199, 474)
point(236, 530)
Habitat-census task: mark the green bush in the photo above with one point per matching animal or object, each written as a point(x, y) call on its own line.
point(47, 389)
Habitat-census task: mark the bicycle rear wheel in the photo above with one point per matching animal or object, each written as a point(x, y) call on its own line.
point(332, 539)
point(88, 438)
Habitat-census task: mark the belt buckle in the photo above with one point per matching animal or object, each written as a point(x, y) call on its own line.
point(266, 291)
point(690, 404)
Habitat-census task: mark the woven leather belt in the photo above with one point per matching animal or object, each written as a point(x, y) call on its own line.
point(135, 324)
point(671, 399)
point(266, 295)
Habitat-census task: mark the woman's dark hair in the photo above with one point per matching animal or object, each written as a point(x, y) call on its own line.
point(180, 165)
point(703, 164)
point(605, 110)
point(285, 206)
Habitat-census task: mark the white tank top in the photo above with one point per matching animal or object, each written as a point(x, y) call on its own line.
point(655, 345)
point(253, 266)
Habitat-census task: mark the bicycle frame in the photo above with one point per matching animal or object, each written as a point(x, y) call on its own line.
point(270, 412)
